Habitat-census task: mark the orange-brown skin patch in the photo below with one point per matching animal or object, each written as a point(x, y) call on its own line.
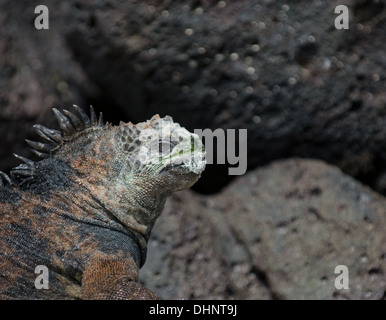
point(62, 233)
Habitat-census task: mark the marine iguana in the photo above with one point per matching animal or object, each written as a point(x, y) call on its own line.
point(85, 211)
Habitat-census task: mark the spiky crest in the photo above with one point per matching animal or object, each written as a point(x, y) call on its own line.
point(70, 125)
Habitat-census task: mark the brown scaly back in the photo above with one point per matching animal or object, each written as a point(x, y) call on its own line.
point(71, 125)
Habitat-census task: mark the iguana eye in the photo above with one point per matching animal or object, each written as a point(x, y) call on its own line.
point(165, 146)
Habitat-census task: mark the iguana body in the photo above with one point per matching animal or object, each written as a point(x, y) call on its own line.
point(86, 210)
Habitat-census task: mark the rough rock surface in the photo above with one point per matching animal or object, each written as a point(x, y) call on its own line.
point(36, 74)
point(276, 233)
point(278, 68)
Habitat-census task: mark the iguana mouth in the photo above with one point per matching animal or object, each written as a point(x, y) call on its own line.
point(183, 164)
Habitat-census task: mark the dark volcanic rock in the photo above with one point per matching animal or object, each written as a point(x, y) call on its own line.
point(37, 73)
point(278, 232)
point(278, 68)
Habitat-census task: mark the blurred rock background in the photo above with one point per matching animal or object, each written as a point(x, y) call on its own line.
point(280, 69)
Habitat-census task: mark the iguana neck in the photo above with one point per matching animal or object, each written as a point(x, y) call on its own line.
point(147, 193)
point(136, 205)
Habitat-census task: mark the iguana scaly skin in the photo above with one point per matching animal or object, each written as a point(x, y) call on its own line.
point(86, 210)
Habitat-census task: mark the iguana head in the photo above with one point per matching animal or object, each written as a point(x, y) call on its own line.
point(159, 157)
point(159, 148)
point(128, 169)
